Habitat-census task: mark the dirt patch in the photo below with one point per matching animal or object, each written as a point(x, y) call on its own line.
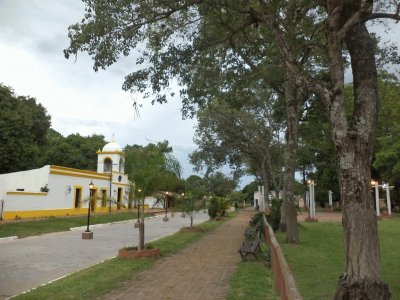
point(133, 254)
point(191, 229)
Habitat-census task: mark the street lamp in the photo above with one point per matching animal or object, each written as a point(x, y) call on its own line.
point(165, 219)
point(88, 235)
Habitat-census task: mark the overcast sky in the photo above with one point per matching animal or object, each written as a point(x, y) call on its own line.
point(33, 34)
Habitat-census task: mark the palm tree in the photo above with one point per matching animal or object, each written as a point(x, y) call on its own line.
point(150, 168)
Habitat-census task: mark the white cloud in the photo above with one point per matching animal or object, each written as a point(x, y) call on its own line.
point(33, 35)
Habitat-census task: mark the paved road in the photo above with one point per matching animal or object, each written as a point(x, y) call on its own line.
point(33, 261)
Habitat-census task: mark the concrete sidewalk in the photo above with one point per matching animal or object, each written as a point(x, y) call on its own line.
point(199, 272)
point(33, 261)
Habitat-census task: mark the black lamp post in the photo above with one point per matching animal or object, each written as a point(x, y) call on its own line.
point(137, 205)
point(165, 219)
point(87, 235)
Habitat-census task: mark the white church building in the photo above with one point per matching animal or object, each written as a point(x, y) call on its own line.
point(60, 191)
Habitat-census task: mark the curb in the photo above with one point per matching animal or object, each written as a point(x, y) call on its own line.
point(9, 238)
point(106, 224)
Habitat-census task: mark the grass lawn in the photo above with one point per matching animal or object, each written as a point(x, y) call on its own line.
point(318, 260)
point(100, 279)
point(42, 226)
point(252, 280)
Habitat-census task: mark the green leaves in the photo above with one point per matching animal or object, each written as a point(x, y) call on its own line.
point(74, 151)
point(23, 128)
point(387, 150)
point(152, 167)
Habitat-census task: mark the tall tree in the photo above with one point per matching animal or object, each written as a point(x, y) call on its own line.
point(245, 135)
point(220, 185)
point(74, 151)
point(23, 128)
point(294, 27)
point(387, 151)
point(353, 138)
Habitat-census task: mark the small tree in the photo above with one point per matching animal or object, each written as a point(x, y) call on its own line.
point(190, 205)
point(149, 167)
point(217, 206)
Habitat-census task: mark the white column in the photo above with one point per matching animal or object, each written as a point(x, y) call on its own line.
point(311, 205)
point(378, 213)
point(263, 198)
point(388, 203)
point(330, 198)
point(313, 198)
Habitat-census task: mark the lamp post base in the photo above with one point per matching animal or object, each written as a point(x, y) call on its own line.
point(137, 224)
point(87, 235)
point(165, 219)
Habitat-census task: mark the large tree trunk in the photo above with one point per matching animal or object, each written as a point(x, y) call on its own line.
point(362, 278)
point(288, 208)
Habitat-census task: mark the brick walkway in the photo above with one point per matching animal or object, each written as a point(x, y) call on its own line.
point(199, 272)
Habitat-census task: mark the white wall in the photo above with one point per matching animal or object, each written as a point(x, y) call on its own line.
point(30, 181)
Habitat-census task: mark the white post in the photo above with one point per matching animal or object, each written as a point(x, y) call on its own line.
point(311, 205)
point(263, 198)
point(388, 203)
point(259, 198)
point(330, 199)
point(378, 213)
point(313, 198)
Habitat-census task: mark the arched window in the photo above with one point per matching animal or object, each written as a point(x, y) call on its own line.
point(121, 165)
point(107, 165)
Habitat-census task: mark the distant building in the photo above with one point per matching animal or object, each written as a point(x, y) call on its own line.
point(59, 191)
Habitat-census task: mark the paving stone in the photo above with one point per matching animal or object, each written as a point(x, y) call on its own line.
point(199, 272)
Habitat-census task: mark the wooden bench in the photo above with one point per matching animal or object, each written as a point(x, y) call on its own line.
point(250, 247)
point(253, 232)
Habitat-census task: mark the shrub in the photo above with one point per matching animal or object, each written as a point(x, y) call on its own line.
point(257, 219)
point(274, 217)
point(45, 189)
point(213, 208)
point(217, 207)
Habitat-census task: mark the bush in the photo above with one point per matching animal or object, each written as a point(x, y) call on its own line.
point(257, 219)
point(217, 207)
point(274, 217)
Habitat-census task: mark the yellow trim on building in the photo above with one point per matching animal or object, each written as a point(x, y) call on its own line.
point(103, 197)
point(98, 176)
point(118, 183)
point(44, 213)
point(120, 173)
point(57, 170)
point(15, 215)
point(77, 187)
point(111, 152)
point(27, 193)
